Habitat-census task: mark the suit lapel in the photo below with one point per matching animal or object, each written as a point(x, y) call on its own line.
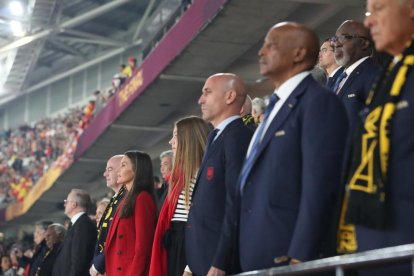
point(357, 71)
point(282, 115)
point(113, 226)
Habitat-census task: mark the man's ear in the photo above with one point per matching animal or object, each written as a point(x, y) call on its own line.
point(299, 54)
point(230, 96)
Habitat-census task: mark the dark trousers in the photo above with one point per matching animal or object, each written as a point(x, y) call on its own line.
point(173, 242)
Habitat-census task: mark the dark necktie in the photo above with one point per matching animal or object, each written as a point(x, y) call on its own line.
point(210, 140)
point(338, 82)
point(248, 163)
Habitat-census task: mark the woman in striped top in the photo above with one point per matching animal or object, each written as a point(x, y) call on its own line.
point(188, 144)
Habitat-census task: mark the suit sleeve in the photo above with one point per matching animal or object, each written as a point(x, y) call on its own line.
point(99, 263)
point(235, 154)
point(145, 219)
point(83, 245)
point(324, 131)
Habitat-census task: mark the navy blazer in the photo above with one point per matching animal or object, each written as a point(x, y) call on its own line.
point(292, 187)
point(75, 256)
point(354, 91)
point(214, 189)
point(399, 186)
point(331, 80)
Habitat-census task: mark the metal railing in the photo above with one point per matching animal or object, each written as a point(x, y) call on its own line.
point(340, 263)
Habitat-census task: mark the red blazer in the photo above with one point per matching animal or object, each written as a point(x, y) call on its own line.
point(129, 240)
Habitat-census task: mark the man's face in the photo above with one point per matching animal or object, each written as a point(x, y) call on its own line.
point(213, 100)
point(39, 234)
point(165, 166)
point(326, 55)
point(111, 171)
point(274, 55)
point(70, 204)
point(348, 46)
point(390, 23)
point(51, 237)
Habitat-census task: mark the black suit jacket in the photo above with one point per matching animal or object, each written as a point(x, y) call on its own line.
point(214, 191)
point(46, 266)
point(77, 249)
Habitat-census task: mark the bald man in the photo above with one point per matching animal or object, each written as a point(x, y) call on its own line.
point(291, 176)
point(353, 48)
point(111, 175)
point(222, 98)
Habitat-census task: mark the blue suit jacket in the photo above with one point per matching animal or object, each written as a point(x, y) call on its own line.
point(331, 81)
point(355, 90)
point(215, 189)
point(291, 190)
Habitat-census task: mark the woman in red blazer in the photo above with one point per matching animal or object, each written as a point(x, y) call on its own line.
point(129, 240)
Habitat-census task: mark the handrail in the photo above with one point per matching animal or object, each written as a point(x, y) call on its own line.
point(339, 263)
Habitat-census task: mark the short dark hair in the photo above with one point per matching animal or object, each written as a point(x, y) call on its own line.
point(83, 199)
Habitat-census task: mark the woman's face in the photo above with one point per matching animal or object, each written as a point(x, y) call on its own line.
point(126, 173)
point(174, 141)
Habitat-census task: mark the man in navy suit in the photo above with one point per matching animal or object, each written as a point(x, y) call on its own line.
point(328, 63)
point(381, 199)
point(222, 98)
point(353, 51)
point(291, 176)
point(111, 172)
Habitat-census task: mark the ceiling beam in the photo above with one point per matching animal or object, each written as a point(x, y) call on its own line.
point(62, 47)
point(67, 24)
point(86, 37)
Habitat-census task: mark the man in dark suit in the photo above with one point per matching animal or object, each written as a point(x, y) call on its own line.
point(328, 63)
point(55, 234)
point(291, 176)
point(381, 199)
point(353, 50)
point(110, 174)
point(221, 101)
point(77, 251)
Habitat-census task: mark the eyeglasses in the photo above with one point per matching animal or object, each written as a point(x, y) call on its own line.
point(344, 37)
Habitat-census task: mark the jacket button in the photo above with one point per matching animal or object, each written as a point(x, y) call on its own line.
point(119, 252)
point(119, 268)
point(120, 236)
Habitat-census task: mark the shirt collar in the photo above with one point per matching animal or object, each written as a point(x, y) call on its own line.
point(76, 217)
point(224, 124)
point(354, 65)
point(284, 91)
point(334, 72)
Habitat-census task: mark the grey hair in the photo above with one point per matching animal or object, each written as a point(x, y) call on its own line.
point(83, 199)
point(43, 224)
point(259, 105)
point(167, 153)
point(59, 229)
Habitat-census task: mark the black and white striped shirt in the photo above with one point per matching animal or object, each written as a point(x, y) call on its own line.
point(181, 213)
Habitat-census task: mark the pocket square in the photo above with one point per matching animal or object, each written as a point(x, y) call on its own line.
point(279, 133)
point(351, 95)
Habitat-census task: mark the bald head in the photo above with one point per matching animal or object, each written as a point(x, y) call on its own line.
point(289, 48)
point(247, 106)
point(223, 95)
point(111, 172)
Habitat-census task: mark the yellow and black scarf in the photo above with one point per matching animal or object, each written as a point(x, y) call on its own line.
point(107, 217)
point(365, 196)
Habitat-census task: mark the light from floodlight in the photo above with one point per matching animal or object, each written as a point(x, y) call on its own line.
point(16, 8)
point(17, 28)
